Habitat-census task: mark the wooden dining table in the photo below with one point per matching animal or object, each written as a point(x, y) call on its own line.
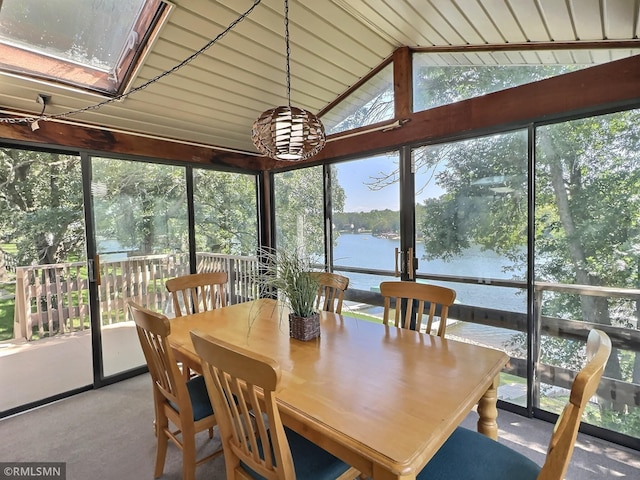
point(381, 398)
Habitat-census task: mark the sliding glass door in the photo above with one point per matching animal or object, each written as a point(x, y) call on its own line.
point(471, 216)
point(141, 235)
point(366, 225)
point(45, 335)
point(587, 263)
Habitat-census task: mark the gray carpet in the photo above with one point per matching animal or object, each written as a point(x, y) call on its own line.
point(107, 434)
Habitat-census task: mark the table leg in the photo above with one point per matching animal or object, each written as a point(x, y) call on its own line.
point(488, 411)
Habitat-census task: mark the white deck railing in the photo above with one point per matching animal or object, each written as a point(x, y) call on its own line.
point(54, 299)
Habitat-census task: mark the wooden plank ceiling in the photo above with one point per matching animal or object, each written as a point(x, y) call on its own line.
point(214, 99)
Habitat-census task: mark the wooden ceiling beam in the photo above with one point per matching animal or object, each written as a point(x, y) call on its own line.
point(71, 136)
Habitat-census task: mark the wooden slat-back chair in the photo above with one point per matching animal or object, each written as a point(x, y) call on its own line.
point(185, 404)
point(416, 294)
point(471, 455)
point(198, 292)
point(195, 293)
point(331, 288)
point(242, 385)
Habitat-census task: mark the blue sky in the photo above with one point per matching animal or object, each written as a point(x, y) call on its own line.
point(360, 198)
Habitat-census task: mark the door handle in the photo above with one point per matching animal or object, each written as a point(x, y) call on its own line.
point(405, 263)
point(410, 263)
point(94, 269)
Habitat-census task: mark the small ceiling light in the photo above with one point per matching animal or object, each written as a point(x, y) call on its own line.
point(286, 132)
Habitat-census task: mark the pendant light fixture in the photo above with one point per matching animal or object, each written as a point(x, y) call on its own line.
point(286, 132)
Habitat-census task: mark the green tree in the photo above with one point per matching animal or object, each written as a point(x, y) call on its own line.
point(226, 217)
point(300, 209)
point(41, 205)
point(141, 205)
point(588, 177)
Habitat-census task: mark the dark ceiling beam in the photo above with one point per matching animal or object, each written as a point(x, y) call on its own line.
point(71, 136)
point(402, 82)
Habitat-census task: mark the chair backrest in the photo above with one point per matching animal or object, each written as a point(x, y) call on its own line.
point(239, 382)
point(153, 329)
point(414, 295)
point(198, 292)
point(331, 288)
point(584, 387)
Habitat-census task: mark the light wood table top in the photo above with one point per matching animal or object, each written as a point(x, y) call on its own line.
point(383, 399)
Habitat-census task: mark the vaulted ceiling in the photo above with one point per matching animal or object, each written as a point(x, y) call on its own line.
point(214, 99)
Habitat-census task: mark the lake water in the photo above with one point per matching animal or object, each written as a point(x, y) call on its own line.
point(367, 251)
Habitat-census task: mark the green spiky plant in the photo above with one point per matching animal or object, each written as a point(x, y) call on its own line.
point(289, 273)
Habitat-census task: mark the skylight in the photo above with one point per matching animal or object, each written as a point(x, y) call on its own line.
point(90, 44)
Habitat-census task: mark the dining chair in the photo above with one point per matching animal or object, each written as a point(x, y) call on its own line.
point(415, 294)
point(198, 292)
point(182, 409)
point(473, 456)
point(195, 293)
point(331, 288)
point(242, 385)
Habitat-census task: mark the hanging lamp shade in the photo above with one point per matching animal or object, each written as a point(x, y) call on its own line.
point(288, 133)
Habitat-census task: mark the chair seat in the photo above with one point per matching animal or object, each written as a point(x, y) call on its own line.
point(310, 461)
point(199, 398)
point(470, 455)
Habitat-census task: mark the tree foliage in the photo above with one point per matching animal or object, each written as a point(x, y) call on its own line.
point(299, 209)
point(41, 205)
point(375, 221)
point(225, 213)
point(142, 206)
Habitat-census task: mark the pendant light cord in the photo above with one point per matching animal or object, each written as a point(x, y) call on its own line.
point(286, 39)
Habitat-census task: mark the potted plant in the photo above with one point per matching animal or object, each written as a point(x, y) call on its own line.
point(288, 274)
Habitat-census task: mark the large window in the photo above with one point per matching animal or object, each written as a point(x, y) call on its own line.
point(139, 225)
point(471, 227)
point(299, 210)
point(366, 219)
point(443, 78)
point(471, 216)
point(587, 264)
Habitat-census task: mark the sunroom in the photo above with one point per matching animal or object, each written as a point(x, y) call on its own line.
point(490, 147)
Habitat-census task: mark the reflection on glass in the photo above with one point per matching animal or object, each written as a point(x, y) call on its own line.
point(141, 216)
point(225, 213)
point(44, 316)
point(299, 211)
point(471, 216)
point(471, 223)
point(370, 103)
point(587, 237)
